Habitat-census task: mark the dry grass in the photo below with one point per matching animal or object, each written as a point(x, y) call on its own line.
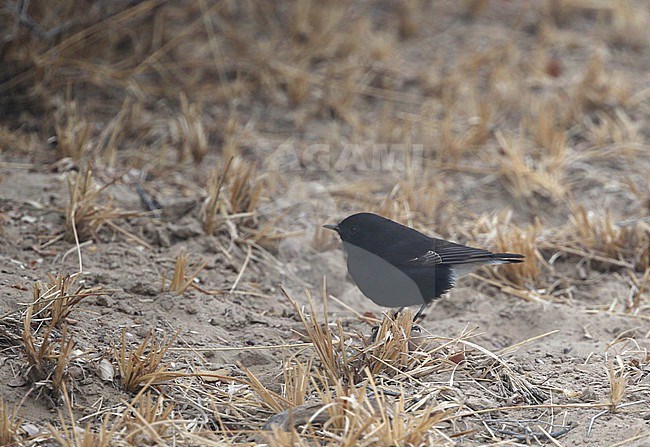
point(73, 133)
point(55, 300)
point(182, 279)
point(35, 356)
point(62, 360)
point(143, 365)
point(47, 364)
point(398, 347)
point(191, 132)
point(323, 239)
point(234, 193)
point(89, 209)
point(212, 203)
point(48, 341)
point(597, 90)
point(71, 435)
point(528, 280)
point(523, 241)
point(143, 421)
point(148, 420)
point(10, 424)
point(625, 26)
point(548, 126)
point(244, 189)
point(84, 216)
point(296, 381)
point(359, 393)
point(589, 237)
point(350, 417)
point(618, 244)
point(618, 381)
point(416, 195)
point(330, 347)
point(16, 140)
point(525, 177)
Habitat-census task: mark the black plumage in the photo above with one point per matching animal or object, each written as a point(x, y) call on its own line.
point(397, 266)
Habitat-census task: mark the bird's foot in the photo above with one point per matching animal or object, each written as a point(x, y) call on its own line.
point(373, 333)
point(416, 331)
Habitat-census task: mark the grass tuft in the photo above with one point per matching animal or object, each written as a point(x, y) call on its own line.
point(181, 278)
point(147, 420)
point(89, 209)
point(523, 241)
point(47, 365)
point(10, 424)
point(525, 177)
point(618, 382)
point(69, 434)
point(143, 365)
point(56, 299)
point(212, 203)
point(73, 133)
point(619, 244)
point(191, 132)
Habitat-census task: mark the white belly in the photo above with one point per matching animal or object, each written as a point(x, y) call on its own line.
point(383, 283)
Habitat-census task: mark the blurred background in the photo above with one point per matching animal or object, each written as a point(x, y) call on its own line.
point(219, 136)
point(495, 122)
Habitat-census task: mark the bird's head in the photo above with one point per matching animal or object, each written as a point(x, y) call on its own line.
point(362, 229)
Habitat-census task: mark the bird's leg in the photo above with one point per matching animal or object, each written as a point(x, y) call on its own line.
point(375, 328)
point(373, 333)
point(417, 315)
point(415, 327)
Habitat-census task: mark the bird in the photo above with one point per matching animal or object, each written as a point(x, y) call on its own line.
point(397, 266)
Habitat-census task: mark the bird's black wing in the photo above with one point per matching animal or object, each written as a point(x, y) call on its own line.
point(448, 253)
point(404, 246)
point(429, 258)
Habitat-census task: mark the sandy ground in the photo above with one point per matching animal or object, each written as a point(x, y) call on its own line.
point(585, 318)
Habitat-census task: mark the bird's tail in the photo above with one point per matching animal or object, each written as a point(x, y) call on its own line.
point(506, 258)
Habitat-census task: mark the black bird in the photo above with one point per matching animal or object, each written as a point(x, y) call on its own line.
point(397, 266)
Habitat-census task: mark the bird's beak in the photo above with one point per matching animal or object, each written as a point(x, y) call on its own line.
point(331, 227)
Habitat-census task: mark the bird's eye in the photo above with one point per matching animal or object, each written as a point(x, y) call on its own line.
point(354, 229)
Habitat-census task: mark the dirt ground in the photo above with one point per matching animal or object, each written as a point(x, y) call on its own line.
point(513, 126)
